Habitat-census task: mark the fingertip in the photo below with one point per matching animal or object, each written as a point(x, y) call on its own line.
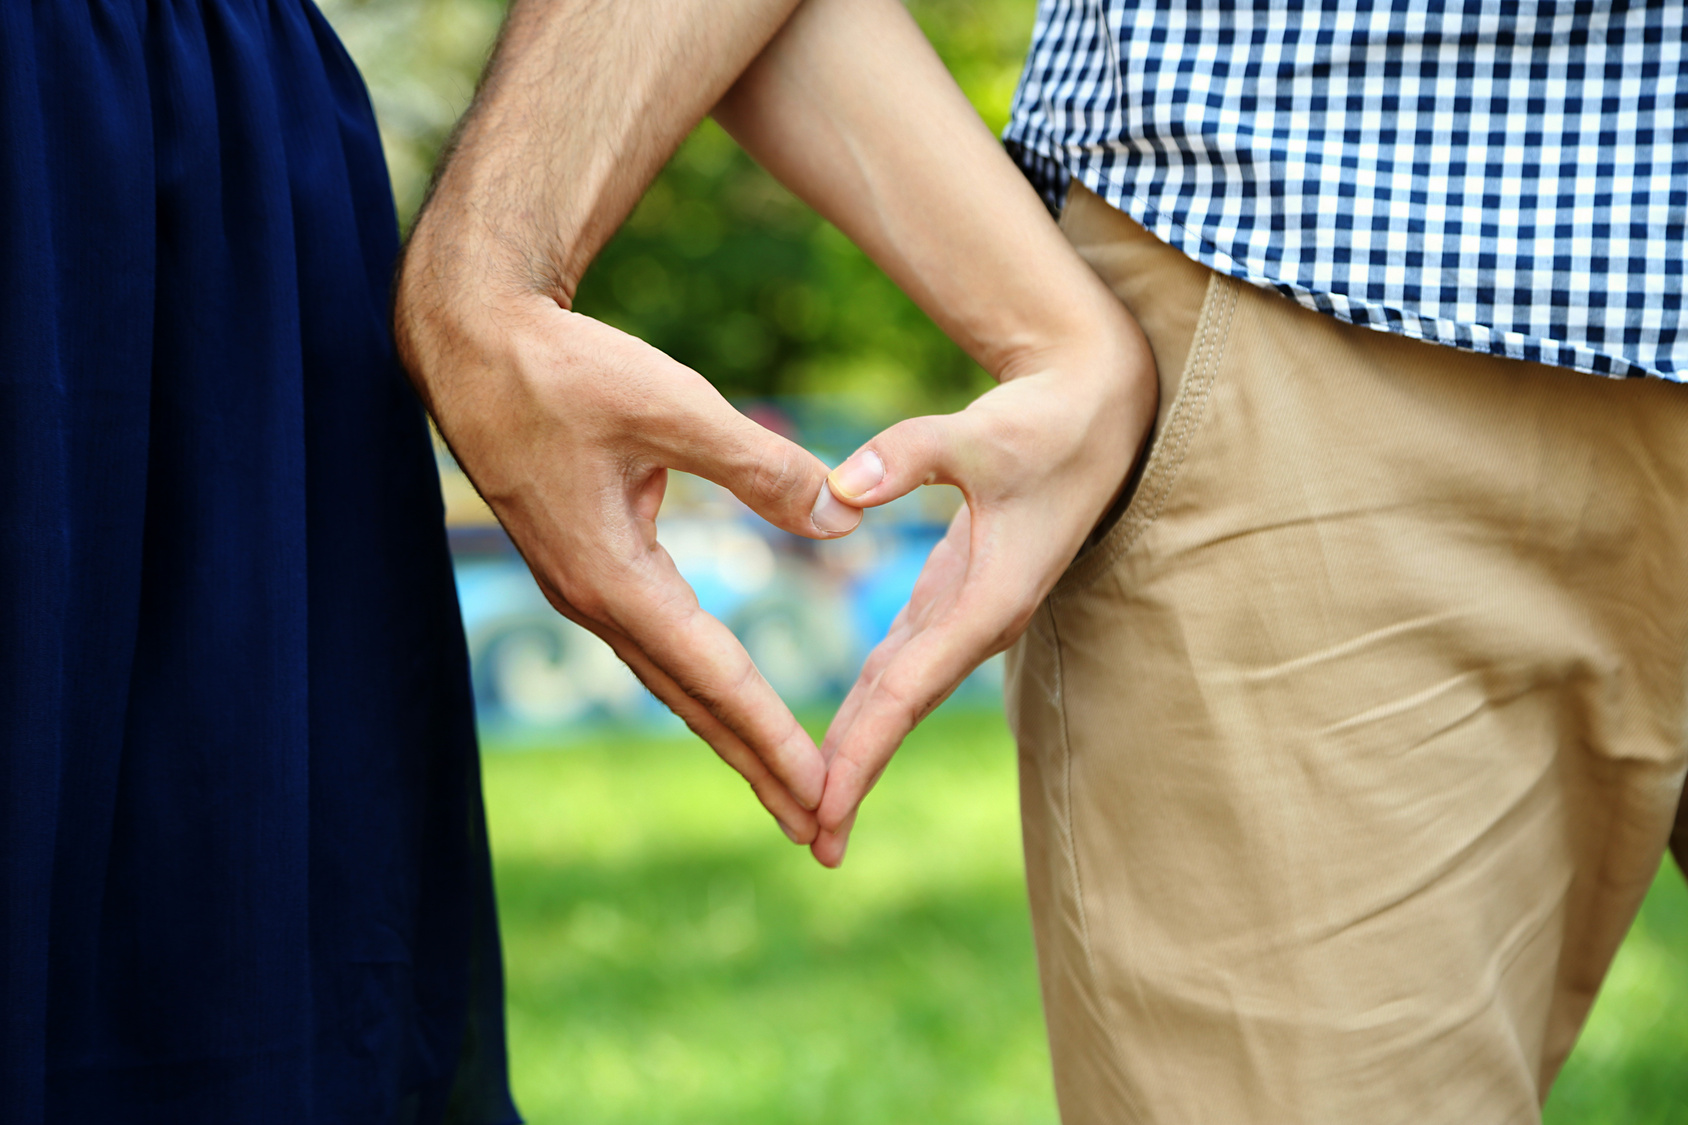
point(803, 837)
point(828, 849)
point(843, 796)
point(861, 473)
point(831, 516)
point(807, 777)
point(799, 824)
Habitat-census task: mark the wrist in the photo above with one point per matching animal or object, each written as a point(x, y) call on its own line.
point(461, 310)
point(1084, 395)
point(486, 232)
point(1092, 342)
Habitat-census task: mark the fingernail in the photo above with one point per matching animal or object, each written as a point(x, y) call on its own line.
point(832, 515)
point(859, 475)
point(790, 832)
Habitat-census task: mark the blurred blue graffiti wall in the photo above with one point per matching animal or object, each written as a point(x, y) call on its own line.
point(807, 612)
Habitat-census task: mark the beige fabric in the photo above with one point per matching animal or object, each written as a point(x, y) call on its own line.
point(1348, 753)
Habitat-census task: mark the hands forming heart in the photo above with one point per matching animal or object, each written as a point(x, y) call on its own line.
point(570, 432)
point(568, 427)
point(1038, 460)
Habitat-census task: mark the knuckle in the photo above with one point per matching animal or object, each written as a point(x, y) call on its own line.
point(715, 684)
point(906, 707)
point(583, 600)
point(922, 437)
point(1010, 444)
point(592, 604)
point(716, 689)
point(927, 445)
point(588, 595)
point(776, 473)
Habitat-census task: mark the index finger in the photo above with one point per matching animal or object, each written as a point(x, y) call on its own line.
point(797, 822)
point(920, 675)
point(658, 612)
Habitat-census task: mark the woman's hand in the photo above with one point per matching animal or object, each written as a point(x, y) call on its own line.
point(1038, 460)
point(851, 109)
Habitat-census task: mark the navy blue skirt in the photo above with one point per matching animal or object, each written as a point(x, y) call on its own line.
point(241, 838)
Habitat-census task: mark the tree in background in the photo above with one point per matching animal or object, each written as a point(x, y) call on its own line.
point(719, 266)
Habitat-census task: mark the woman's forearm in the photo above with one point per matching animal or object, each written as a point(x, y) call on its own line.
point(851, 108)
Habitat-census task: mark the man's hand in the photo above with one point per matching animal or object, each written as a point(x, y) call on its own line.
point(569, 428)
point(566, 426)
point(1038, 461)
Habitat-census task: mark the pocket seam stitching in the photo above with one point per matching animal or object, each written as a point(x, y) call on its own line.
point(1168, 455)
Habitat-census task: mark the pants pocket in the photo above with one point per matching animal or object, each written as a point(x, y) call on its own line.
point(1156, 473)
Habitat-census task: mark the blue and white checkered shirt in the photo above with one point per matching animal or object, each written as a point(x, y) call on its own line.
point(1504, 177)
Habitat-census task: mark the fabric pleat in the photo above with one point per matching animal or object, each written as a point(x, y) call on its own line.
point(244, 865)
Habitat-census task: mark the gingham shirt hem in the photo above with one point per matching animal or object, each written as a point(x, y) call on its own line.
point(1052, 179)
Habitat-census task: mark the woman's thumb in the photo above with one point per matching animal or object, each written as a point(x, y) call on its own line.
point(895, 463)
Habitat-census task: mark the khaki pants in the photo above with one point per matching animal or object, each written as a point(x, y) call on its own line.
point(1349, 751)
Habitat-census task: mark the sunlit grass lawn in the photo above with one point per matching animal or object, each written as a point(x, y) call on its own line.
point(1631, 1064)
point(671, 958)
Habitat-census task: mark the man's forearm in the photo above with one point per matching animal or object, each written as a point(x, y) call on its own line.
point(851, 109)
point(566, 426)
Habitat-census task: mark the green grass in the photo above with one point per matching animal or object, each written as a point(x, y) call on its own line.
point(1631, 1064)
point(671, 958)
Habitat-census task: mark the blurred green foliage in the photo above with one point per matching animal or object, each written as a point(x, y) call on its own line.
point(718, 266)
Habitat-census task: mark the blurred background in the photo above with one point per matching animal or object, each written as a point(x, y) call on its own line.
point(669, 957)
